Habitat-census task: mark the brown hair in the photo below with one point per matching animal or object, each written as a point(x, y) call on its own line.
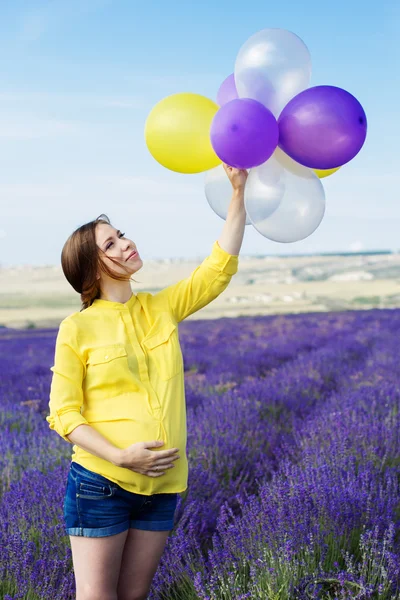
point(80, 261)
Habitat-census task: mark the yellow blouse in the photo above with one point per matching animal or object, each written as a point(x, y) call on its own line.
point(119, 368)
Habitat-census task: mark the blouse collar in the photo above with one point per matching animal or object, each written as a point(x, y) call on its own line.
point(100, 303)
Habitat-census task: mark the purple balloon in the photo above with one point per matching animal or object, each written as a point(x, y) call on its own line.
point(227, 90)
point(323, 127)
point(244, 133)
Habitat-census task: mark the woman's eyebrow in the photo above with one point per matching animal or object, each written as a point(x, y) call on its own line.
point(110, 238)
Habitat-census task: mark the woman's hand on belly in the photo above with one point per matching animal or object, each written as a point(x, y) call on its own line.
point(140, 459)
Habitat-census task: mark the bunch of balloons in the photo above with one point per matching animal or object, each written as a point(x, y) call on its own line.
point(266, 119)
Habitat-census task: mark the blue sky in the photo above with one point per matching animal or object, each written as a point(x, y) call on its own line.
point(78, 79)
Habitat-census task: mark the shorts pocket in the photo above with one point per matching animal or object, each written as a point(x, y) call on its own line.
point(93, 490)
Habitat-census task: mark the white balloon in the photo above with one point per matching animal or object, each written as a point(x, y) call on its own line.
point(301, 208)
point(273, 66)
point(218, 190)
point(265, 188)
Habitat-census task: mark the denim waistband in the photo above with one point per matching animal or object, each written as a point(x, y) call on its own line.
point(77, 468)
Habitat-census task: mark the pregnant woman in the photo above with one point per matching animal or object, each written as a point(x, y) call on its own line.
point(117, 394)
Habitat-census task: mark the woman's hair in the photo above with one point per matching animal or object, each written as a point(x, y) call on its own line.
point(81, 261)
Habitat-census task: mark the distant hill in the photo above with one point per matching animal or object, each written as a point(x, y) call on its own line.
point(41, 296)
point(305, 255)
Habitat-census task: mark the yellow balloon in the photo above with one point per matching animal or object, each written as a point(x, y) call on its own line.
point(177, 133)
point(325, 172)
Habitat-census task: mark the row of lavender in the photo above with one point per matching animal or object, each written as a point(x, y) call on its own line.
point(327, 525)
point(292, 442)
point(266, 446)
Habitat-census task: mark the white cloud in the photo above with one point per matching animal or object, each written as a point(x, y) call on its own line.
point(369, 195)
point(29, 191)
point(49, 15)
point(36, 128)
point(93, 192)
point(356, 246)
point(33, 26)
point(120, 102)
point(40, 100)
point(143, 186)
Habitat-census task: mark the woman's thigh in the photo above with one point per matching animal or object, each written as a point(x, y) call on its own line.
point(140, 560)
point(97, 563)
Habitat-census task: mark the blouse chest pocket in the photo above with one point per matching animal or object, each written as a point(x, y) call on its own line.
point(107, 373)
point(164, 350)
point(106, 354)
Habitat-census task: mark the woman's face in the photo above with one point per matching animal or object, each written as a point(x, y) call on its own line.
point(118, 247)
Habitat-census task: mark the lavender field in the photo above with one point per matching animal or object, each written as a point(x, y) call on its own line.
point(294, 454)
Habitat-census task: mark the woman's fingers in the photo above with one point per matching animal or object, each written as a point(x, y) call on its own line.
point(151, 473)
point(165, 461)
point(160, 470)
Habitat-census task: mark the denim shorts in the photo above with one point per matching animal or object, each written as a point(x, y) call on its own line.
point(94, 506)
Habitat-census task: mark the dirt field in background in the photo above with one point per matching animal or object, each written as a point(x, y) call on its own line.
point(41, 297)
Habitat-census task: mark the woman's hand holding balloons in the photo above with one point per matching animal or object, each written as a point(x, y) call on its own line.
point(237, 177)
point(218, 189)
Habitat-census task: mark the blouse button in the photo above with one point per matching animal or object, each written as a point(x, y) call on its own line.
point(106, 356)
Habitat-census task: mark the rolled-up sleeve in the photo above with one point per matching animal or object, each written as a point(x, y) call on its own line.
point(66, 394)
point(205, 284)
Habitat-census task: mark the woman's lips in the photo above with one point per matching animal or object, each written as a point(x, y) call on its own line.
point(132, 255)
